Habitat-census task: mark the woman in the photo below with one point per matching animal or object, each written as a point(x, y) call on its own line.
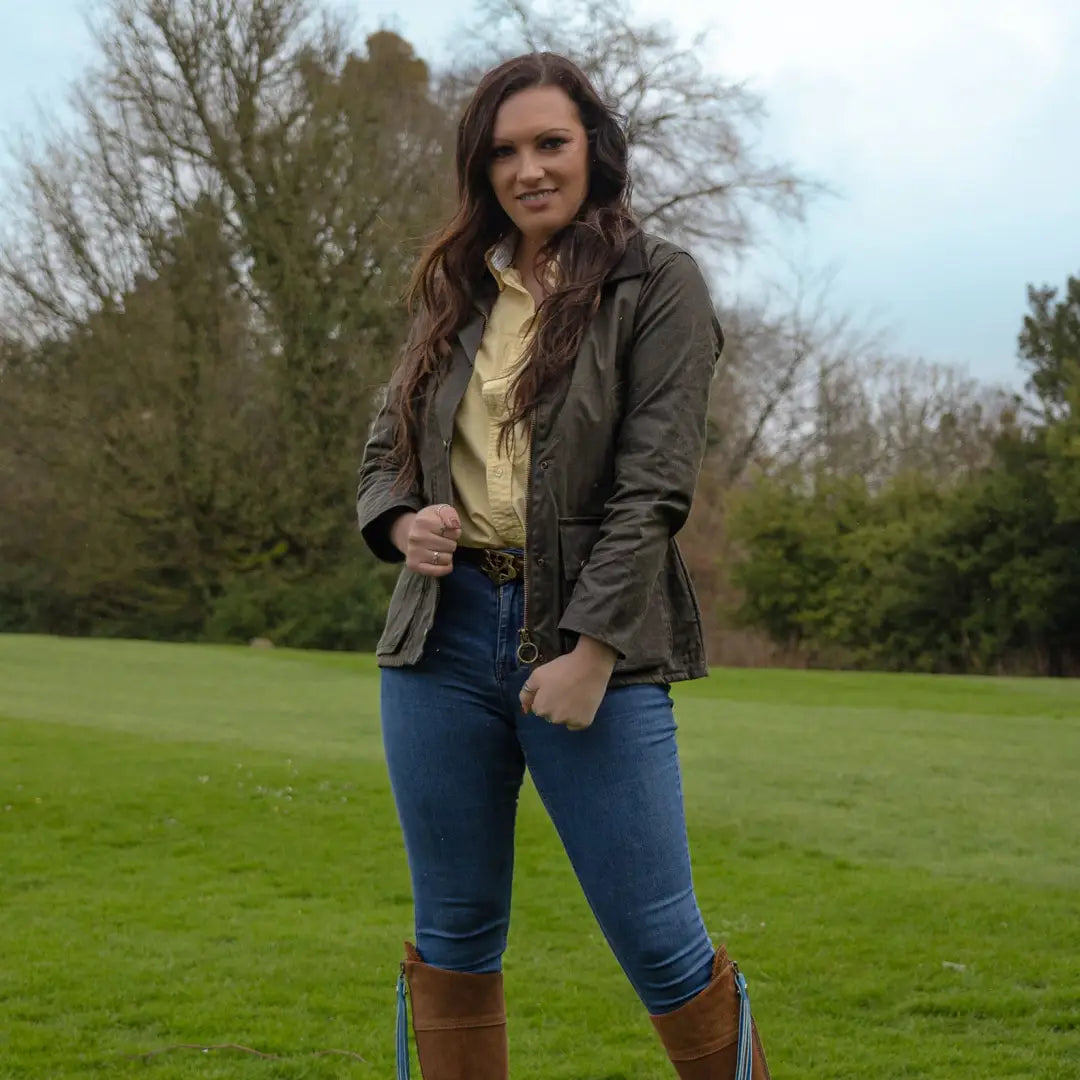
point(535, 457)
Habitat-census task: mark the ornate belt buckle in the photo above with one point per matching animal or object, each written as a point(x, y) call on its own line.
point(499, 566)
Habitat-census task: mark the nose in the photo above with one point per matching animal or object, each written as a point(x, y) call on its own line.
point(530, 169)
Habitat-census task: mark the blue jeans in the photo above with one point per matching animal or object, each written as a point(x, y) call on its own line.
point(457, 746)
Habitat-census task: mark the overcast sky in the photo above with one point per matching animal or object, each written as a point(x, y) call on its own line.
point(950, 130)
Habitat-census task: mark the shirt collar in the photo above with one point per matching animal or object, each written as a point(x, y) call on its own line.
point(500, 259)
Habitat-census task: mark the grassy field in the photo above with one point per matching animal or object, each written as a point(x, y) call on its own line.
point(198, 846)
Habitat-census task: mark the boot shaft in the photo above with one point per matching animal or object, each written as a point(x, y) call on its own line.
point(713, 1036)
point(459, 1022)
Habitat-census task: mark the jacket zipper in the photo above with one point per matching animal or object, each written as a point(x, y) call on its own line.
point(527, 651)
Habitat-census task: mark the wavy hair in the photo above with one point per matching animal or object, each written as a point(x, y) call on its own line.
point(451, 270)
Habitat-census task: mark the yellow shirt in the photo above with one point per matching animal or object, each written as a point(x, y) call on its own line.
point(490, 483)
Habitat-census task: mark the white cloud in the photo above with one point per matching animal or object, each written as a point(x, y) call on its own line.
point(892, 87)
point(947, 125)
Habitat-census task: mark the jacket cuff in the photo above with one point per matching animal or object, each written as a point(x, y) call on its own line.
point(376, 531)
point(570, 625)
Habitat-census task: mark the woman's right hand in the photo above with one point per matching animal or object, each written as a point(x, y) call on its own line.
point(428, 539)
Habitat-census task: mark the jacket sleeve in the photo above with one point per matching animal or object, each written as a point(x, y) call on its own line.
point(378, 502)
point(659, 450)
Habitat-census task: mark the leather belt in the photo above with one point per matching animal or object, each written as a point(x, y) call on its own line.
point(500, 566)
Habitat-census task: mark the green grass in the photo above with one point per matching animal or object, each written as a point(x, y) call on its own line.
point(198, 845)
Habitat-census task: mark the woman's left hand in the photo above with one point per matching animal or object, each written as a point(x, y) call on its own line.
point(568, 691)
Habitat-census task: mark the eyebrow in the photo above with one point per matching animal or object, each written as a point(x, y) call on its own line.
point(543, 134)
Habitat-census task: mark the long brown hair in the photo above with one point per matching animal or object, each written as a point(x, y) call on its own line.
point(451, 270)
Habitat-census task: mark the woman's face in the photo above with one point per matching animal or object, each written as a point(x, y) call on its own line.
point(539, 161)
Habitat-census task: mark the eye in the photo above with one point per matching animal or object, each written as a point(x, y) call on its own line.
point(501, 152)
point(552, 142)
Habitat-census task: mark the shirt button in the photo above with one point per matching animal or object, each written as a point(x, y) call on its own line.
point(499, 472)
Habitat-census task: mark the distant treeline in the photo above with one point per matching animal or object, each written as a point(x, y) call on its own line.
point(201, 289)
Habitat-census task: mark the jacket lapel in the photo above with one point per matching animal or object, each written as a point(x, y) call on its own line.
point(634, 261)
point(453, 386)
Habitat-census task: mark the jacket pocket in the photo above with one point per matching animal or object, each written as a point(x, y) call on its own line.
point(404, 605)
point(576, 539)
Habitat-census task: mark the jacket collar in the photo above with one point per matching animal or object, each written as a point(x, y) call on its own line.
point(634, 263)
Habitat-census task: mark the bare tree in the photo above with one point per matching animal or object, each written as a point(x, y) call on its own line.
point(917, 416)
point(779, 349)
point(802, 384)
point(697, 175)
point(319, 160)
point(208, 267)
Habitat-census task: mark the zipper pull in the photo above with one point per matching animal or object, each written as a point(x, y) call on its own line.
point(527, 652)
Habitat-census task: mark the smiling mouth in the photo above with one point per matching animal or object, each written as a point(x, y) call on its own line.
point(532, 196)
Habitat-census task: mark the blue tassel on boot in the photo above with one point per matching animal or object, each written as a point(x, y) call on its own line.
point(402, 1028)
point(744, 1063)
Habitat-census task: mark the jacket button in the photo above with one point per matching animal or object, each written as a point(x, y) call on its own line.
point(541, 561)
point(544, 465)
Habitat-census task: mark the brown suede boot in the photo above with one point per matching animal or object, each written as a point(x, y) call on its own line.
point(701, 1037)
point(459, 1021)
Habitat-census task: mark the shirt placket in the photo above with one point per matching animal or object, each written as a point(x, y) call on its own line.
point(502, 493)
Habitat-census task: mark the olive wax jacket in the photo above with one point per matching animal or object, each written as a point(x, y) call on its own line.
point(615, 454)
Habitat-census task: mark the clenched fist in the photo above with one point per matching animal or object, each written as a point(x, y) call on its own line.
point(570, 689)
point(428, 539)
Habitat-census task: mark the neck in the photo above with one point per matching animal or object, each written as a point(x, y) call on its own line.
point(528, 247)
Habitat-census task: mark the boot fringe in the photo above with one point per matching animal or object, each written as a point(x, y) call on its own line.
point(402, 1027)
point(744, 1063)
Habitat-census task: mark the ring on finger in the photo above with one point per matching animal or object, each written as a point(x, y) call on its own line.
point(435, 558)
